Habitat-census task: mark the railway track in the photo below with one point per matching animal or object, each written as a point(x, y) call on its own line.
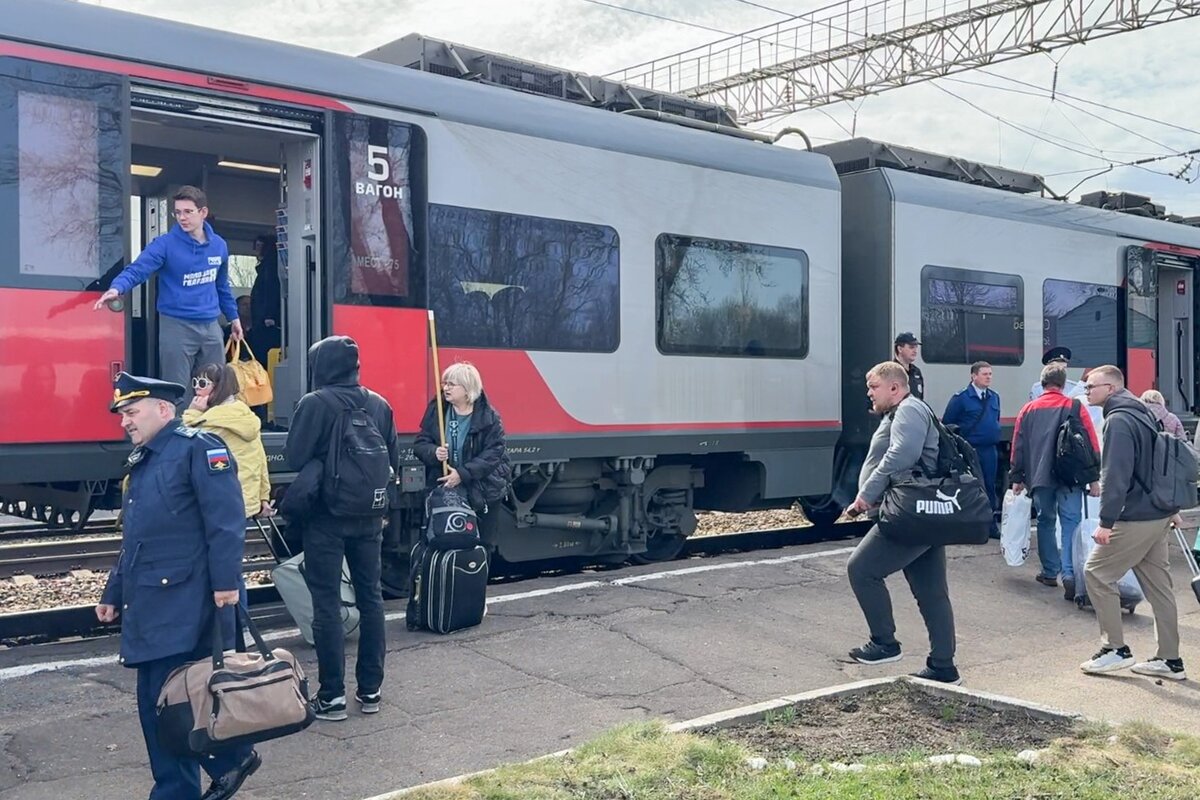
point(41, 559)
point(73, 622)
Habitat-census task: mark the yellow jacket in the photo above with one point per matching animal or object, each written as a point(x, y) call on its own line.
point(238, 426)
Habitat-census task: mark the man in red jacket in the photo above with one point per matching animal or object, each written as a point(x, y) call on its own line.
point(1034, 448)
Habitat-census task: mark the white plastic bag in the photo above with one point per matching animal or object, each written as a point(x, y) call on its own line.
point(1015, 527)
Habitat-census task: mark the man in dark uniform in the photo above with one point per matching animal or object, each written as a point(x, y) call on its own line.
point(181, 557)
point(904, 352)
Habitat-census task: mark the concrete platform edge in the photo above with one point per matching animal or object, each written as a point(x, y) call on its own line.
point(757, 711)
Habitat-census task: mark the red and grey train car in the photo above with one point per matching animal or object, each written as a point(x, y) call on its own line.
point(655, 310)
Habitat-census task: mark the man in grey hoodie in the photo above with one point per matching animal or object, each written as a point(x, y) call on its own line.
point(1133, 533)
point(905, 440)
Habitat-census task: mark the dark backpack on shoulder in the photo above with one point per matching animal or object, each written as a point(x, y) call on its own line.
point(358, 469)
point(1076, 462)
point(1169, 480)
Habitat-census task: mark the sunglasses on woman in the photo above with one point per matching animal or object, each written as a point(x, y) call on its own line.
point(201, 383)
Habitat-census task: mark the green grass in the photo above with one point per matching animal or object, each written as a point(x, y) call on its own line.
point(645, 762)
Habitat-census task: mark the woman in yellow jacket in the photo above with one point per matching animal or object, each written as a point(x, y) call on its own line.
point(215, 408)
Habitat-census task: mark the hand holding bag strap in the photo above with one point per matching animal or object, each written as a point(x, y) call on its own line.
point(242, 615)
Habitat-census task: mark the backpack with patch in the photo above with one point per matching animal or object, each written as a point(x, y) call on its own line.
point(1076, 462)
point(1169, 480)
point(357, 466)
point(450, 521)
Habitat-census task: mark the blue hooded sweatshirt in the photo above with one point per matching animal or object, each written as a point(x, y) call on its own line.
point(193, 282)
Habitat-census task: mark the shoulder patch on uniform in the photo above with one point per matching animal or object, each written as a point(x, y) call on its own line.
point(218, 459)
point(186, 432)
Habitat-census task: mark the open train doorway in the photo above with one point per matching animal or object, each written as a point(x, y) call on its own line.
point(261, 176)
point(1160, 326)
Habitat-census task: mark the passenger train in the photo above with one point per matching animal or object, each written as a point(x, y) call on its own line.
point(667, 318)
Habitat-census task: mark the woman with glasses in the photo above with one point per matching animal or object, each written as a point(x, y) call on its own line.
point(474, 450)
point(216, 408)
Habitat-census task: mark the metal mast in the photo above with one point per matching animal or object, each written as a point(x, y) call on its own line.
point(851, 48)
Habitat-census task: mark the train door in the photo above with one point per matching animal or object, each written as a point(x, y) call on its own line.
point(63, 213)
point(1160, 326)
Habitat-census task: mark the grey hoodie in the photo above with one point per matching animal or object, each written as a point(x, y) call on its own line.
point(1127, 444)
point(905, 438)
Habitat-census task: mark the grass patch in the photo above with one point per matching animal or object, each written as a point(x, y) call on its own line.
point(645, 762)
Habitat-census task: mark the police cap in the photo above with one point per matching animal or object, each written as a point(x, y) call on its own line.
point(1057, 354)
point(130, 388)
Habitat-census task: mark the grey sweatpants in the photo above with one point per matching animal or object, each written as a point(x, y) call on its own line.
point(1142, 547)
point(184, 347)
point(877, 557)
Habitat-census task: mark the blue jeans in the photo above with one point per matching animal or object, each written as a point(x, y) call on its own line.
point(1057, 506)
point(326, 542)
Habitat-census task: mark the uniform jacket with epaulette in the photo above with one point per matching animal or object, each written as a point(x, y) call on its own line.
point(183, 535)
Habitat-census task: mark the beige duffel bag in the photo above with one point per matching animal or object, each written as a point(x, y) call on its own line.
point(233, 698)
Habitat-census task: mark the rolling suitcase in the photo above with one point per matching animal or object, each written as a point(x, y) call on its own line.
point(448, 588)
point(1128, 588)
point(288, 576)
point(1190, 558)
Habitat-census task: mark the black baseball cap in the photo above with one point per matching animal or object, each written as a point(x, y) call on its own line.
point(906, 338)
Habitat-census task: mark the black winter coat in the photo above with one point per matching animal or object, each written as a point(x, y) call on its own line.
point(486, 470)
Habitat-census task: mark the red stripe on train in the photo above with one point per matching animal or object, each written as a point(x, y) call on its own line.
point(395, 362)
point(210, 82)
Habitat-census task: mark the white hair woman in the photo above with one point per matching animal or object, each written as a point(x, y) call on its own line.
point(1158, 407)
point(474, 450)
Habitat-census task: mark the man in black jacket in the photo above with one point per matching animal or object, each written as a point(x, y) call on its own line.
point(333, 367)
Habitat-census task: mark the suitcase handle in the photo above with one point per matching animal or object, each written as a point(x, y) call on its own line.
point(266, 537)
point(1193, 567)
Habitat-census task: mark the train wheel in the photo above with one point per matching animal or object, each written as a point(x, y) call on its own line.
point(660, 547)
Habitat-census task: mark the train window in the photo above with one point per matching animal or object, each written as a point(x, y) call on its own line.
point(717, 297)
point(1083, 317)
point(377, 190)
point(63, 175)
point(530, 283)
point(970, 315)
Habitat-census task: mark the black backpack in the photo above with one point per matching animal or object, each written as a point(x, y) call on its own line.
point(1076, 462)
point(358, 469)
point(450, 522)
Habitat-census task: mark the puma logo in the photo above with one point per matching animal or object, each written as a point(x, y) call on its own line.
point(951, 499)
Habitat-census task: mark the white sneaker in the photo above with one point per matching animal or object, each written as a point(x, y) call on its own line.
point(1108, 660)
point(1159, 668)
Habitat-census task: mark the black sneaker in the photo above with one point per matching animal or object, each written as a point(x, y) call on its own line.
point(875, 653)
point(940, 674)
point(330, 710)
point(369, 703)
point(1046, 581)
point(1068, 589)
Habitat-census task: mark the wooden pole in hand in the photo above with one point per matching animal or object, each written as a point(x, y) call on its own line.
point(437, 389)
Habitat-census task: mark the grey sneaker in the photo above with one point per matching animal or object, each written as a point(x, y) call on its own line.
point(1108, 660)
point(330, 710)
point(1161, 668)
point(369, 703)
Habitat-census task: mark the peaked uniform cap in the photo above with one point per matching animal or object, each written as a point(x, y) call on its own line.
point(131, 388)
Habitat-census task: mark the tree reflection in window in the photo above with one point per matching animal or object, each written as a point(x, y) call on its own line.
point(731, 298)
point(968, 315)
point(513, 281)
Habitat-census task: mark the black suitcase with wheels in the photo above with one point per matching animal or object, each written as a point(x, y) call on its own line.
point(447, 588)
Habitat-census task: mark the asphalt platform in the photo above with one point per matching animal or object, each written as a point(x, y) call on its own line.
point(558, 660)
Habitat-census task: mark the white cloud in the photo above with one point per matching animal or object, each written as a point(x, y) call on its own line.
point(1150, 72)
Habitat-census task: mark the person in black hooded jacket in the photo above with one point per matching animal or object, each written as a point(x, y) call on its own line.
point(334, 371)
point(475, 449)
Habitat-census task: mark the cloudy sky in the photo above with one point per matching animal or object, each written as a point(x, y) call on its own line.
point(1150, 73)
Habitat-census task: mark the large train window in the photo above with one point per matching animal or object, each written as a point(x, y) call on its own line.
point(717, 297)
point(377, 181)
point(528, 283)
point(1082, 317)
point(970, 315)
point(64, 173)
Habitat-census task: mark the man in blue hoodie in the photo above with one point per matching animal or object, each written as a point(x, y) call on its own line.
point(193, 290)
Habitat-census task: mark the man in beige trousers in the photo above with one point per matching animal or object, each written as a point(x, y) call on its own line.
point(1133, 533)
